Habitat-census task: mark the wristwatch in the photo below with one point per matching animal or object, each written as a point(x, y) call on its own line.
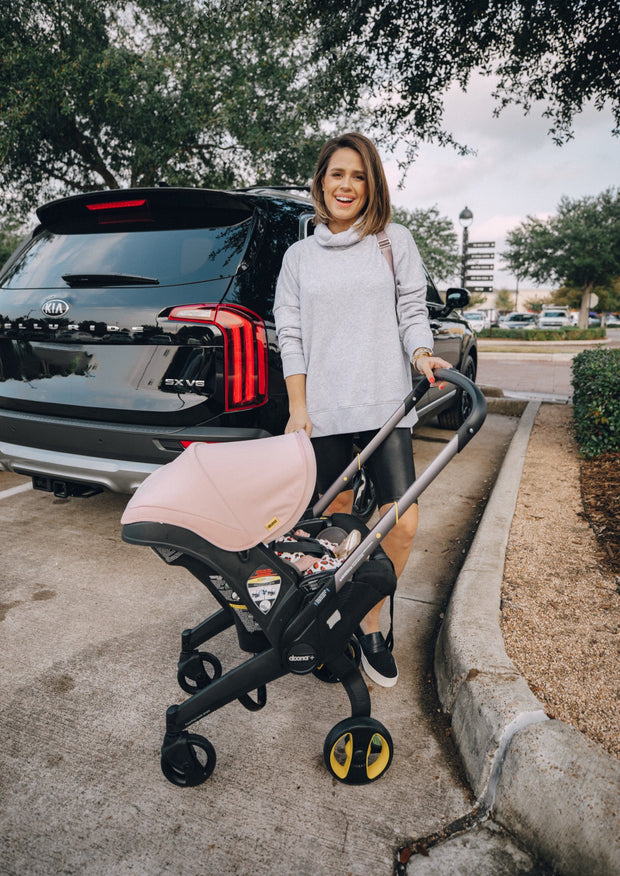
point(417, 354)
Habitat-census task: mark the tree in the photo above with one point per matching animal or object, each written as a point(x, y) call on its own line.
point(9, 239)
point(579, 247)
point(535, 305)
point(436, 239)
point(504, 301)
point(105, 92)
point(607, 297)
point(403, 55)
point(477, 300)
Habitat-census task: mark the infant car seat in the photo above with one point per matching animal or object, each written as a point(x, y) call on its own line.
point(219, 510)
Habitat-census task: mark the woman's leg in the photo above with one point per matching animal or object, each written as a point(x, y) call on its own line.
point(397, 545)
point(342, 504)
point(392, 471)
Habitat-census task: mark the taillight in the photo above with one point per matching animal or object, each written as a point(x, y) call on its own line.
point(245, 349)
point(117, 205)
point(121, 212)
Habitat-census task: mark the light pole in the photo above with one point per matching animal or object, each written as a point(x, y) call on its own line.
point(466, 217)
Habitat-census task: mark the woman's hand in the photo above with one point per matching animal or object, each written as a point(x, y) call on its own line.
point(426, 365)
point(298, 421)
point(297, 410)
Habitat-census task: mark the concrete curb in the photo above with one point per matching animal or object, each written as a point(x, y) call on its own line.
point(555, 790)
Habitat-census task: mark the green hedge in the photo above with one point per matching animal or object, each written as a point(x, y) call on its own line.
point(596, 401)
point(568, 334)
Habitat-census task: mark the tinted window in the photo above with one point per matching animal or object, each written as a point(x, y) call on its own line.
point(184, 255)
point(277, 228)
point(432, 295)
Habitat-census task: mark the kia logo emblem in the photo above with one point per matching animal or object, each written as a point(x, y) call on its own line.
point(55, 307)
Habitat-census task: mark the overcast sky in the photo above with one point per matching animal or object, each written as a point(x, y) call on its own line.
point(517, 171)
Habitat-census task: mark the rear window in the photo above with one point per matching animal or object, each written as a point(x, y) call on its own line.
point(168, 235)
point(554, 313)
point(170, 256)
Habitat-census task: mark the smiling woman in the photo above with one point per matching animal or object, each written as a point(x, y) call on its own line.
point(345, 189)
point(381, 330)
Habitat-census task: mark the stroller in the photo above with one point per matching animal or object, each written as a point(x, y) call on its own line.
point(233, 515)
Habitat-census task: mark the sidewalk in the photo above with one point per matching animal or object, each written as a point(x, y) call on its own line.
point(91, 637)
point(559, 793)
point(90, 642)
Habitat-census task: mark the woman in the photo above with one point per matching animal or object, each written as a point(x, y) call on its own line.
point(348, 334)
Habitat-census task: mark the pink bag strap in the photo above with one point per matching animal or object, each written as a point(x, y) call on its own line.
point(385, 246)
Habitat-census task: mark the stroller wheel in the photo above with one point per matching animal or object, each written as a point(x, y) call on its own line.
point(353, 651)
point(358, 750)
point(193, 672)
point(189, 761)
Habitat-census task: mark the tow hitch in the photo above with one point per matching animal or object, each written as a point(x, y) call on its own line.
point(65, 489)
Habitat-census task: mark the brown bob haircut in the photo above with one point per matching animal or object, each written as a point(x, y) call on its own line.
point(378, 210)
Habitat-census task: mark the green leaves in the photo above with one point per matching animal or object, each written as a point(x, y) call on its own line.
point(578, 247)
point(436, 239)
point(219, 93)
point(596, 401)
point(405, 54)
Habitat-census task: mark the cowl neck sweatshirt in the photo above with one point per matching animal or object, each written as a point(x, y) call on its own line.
point(342, 321)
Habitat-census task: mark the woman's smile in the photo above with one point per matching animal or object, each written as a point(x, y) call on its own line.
point(345, 189)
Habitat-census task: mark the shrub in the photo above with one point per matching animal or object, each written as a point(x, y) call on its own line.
point(568, 334)
point(596, 401)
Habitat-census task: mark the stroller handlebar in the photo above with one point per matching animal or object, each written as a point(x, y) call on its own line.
point(473, 421)
point(465, 433)
point(477, 415)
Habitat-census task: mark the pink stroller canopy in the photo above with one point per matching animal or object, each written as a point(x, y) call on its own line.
point(235, 494)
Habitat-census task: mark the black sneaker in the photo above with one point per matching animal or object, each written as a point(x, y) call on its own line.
point(377, 661)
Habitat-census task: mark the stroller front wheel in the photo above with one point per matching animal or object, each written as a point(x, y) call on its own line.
point(358, 750)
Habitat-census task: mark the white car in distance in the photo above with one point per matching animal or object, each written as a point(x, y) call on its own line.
point(478, 319)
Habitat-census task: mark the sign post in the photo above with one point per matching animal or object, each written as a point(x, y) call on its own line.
point(478, 267)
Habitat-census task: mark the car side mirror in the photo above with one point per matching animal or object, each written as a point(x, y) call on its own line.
point(455, 299)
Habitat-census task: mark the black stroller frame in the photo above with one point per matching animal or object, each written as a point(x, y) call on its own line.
point(309, 626)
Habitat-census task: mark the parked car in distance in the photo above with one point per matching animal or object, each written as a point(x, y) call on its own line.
point(478, 319)
point(501, 319)
point(613, 320)
point(134, 322)
point(519, 321)
point(594, 319)
point(554, 317)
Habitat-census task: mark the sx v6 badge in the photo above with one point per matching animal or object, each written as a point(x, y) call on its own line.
point(179, 384)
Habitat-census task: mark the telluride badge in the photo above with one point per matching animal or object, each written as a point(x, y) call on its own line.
point(55, 307)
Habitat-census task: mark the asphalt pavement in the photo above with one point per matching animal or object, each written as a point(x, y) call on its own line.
point(91, 633)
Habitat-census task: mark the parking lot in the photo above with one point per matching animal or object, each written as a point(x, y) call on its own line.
point(91, 634)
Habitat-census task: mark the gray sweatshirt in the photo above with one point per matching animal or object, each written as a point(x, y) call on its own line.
point(339, 323)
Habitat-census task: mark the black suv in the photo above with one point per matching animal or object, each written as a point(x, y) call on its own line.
point(135, 322)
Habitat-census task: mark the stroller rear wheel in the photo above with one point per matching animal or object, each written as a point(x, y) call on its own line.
point(358, 750)
point(197, 670)
point(188, 761)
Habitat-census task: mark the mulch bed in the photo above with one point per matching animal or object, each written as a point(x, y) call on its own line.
point(600, 490)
